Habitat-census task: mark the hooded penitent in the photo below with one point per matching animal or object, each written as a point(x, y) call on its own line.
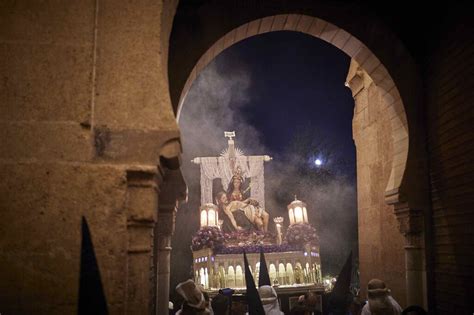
point(91, 293)
point(193, 297)
point(340, 297)
point(380, 301)
point(263, 277)
point(253, 298)
point(269, 300)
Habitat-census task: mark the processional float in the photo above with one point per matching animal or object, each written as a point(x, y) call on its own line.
point(292, 252)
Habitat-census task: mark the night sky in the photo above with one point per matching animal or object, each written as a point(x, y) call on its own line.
point(284, 95)
point(297, 80)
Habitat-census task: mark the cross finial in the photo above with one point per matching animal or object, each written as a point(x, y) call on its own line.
point(296, 198)
point(229, 134)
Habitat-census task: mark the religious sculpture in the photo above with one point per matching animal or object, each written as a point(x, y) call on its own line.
point(298, 274)
point(235, 190)
point(251, 207)
point(242, 215)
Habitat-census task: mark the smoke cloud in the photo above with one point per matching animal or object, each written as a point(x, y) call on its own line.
point(213, 105)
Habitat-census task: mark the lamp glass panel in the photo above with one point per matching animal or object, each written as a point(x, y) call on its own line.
point(290, 214)
point(203, 218)
point(298, 214)
point(211, 215)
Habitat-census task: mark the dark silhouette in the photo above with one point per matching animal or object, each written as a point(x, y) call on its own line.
point(91, 293)
point(253, 298)
point(341, 298)
point(263, 277)
point(414, 310)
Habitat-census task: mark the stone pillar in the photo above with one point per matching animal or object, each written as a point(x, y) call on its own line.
point(381, 245)
point(142, 202)
point(411, 226)
point(172, 189)
point(165, 229)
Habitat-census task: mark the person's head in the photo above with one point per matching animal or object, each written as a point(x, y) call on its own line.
point(221, 198)
point(377, 287)
point(377, 293)
point(194, 300)
point(235, 184)
point(227, 292)
point(267, 294)
point(220, 304)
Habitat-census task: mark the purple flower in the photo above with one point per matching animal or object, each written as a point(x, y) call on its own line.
point(209, 236)
point(301, 233)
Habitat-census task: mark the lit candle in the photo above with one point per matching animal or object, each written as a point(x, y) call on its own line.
point(278, 221)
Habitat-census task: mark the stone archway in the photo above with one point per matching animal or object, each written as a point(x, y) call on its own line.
point(363, 56)
point(374, 90)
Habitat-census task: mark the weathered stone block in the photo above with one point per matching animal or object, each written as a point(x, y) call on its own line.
point(45, 82)
point(43, 204)
point(46, 141)
point(131, 146)
point(49, 21)
point(131, 93)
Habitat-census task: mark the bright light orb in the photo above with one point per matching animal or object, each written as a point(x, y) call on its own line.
point(318, 162)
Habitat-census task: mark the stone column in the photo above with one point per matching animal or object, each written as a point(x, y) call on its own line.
point(172, 190)
point(165, 229)
point(142, 202)
point(411, 226)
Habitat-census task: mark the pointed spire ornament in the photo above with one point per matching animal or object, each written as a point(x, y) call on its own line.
point(253, 298)
point(263, 277)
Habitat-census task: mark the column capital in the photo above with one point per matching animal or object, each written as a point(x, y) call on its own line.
point(355, 78)
point(410, 224)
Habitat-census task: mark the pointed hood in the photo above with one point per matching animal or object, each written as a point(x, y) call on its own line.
point(253, 298)
point(263, 277)
point(344, 279)
point(91, 293)
point(340, 296)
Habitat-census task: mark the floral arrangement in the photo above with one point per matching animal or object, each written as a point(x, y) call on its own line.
point(300, 234)
point(255, 248)
point(245, 237)
point(208, 236)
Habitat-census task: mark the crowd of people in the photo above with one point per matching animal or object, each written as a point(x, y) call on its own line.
point(379, 302)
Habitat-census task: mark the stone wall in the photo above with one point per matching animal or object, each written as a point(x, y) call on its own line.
point(85, 117)
point(381, 253)
point(450, 117)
